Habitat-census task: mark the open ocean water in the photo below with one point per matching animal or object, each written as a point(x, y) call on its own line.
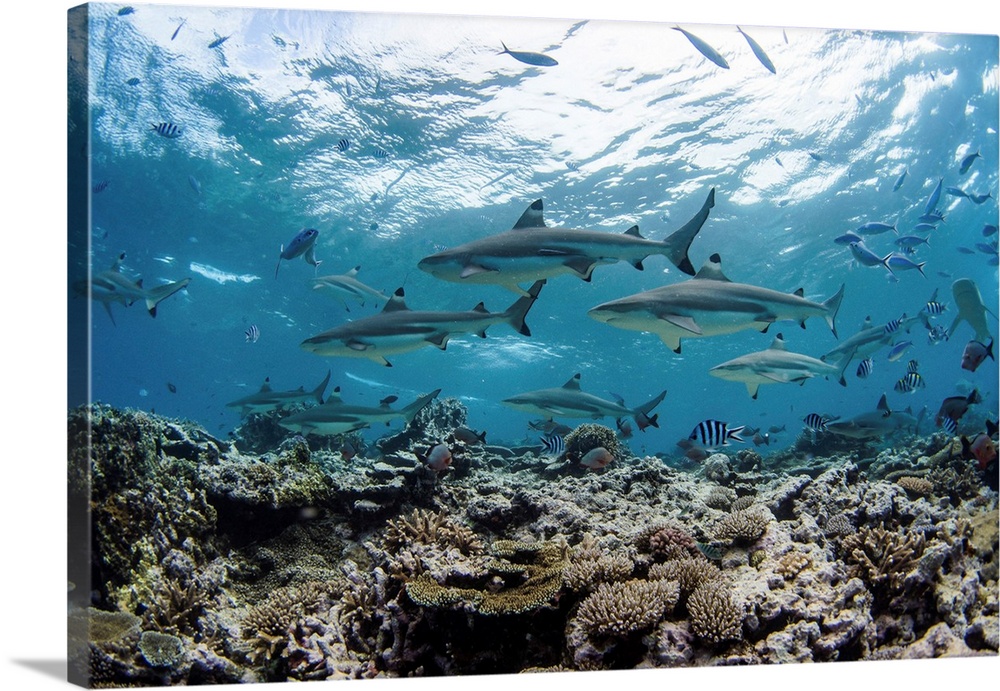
point(398, 138)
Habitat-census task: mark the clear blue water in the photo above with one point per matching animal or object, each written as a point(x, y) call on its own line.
point(633, 126)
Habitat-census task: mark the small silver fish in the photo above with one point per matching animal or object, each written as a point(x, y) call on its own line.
point(898, 350)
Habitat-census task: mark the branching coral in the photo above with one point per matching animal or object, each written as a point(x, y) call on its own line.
point(720, 498)
point(743, 503)
point(917, 486)
point(689, 573)
point(268, 623)
point(618, 609)
point(588, 437)
point(881, 557)
point(589, 566)
point(428, 527)
point(715, 614)
point(791, 564)
point(743, 527)
point(666, 541)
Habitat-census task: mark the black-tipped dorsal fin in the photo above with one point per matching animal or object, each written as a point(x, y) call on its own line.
point(354, 272)
point(481, 308)
point(712, 270)
point(883, 405)
point(800, 292)
point(335, 396)
point(573, 383)
point(778, 343)
point(117, 265)
point(266, 386)
point(532, 217)
point(396, 302)
point(633, 231)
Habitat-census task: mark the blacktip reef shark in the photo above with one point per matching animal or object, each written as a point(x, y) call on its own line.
point(970, 308)
point(347, 286)
point(335, 417)
point(569, 401)
point(710, 304)
point(532, 250)
point(776, 365)
point(114, 286)
point(868, 340)
point(874, 424)
point(268, 399)
point(398, 329)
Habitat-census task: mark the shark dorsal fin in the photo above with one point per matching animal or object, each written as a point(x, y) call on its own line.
point(712, 270)
point(574, 383)
point(481, 308)
point(334, 396)
point(354, 272)
point(117, 265)
point(266, 386)
point(396, 302)
point(778, 343)
point(867, 322)
point(800, 292)
point(633, 231)
point(883, 405)
point(532, 217)
point(139, 283)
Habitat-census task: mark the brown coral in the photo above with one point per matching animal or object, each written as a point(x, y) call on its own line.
point(743, 527)
point(882, 558)
point(917, 486)
point(618, 609)
point(589, 566)
point(268, 623)
point(791, 564)
point(588, 437)
point(689, 573)
point(715, 614)
point(428, 527)
point(720, 498)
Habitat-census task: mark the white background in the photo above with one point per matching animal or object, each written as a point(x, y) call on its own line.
point(32, 326)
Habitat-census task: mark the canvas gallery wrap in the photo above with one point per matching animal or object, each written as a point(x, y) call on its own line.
point(410, 345)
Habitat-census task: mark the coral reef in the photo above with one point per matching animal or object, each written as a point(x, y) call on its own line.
point(589, 436)
point(214, 566)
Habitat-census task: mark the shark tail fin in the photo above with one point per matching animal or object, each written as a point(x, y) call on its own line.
point(832, 305)
point(410, 411)
point(642, 414)
point(677, 243)
point(321, 389)
point(160, 293)
point(516, 313)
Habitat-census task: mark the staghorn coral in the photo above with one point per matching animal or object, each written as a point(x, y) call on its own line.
point(716, 615)
point(916, 486)
point(160, 649)
point(689, 573)
point(428, 527)
point(957, 481)
point(589, 436)
point(267, 625)
point(882, 558)
point(743, 527)
point(619, 609)
point(743, 503)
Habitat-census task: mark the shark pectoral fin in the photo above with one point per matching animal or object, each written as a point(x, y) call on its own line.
point(441, 340)
point(682, 322)
point(474, 270)
point(672, 341)
point(752, 389)
point(481, 334)
point(107, 306)
point(762, 326)
point(581, 266)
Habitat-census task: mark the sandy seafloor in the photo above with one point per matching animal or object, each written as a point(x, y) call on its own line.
point(34, 379)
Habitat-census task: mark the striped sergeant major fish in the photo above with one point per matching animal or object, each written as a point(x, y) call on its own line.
point(344, 144)
point(933, 306)
point(166, 129)
point(949, 426)
point(553, 445)
point(252, 334)
point(909, 383)
point(713, 433)
point(893, 325)
point(865, 367)
point(912, 366)
point(815, 421)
